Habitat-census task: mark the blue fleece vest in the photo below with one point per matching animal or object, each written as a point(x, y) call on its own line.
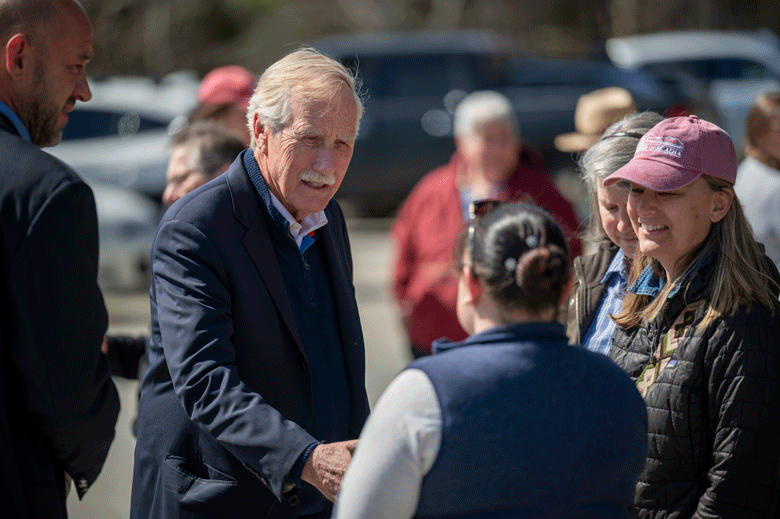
point(532, 427)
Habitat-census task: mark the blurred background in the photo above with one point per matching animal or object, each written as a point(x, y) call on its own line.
point(417, 59)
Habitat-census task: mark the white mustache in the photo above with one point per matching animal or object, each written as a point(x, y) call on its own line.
point(318, 178)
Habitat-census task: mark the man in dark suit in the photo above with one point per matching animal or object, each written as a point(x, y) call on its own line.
point(256, 381)
point(58, 405)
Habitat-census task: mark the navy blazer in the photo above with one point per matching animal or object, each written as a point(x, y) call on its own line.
point(58, 405)
point(227, 400)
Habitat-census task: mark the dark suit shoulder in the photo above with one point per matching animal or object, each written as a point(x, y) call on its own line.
point(30, 180)
point(26, 167)
point(203, 206)
point(30, 176)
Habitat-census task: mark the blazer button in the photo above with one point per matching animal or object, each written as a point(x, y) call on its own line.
point(302, 366)
point(294, 500)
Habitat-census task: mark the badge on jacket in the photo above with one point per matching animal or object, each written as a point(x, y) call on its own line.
point(663, 358)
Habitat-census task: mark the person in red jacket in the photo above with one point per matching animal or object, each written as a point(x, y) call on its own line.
point(490, 161)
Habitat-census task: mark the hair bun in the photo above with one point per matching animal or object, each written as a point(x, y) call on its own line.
point(541, 268)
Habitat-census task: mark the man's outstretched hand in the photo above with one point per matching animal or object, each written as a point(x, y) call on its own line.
point(327, 465)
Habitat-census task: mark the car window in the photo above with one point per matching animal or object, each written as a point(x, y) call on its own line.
point(89, 123)
point(412, 76)
point(490, 71)
point(427, 75)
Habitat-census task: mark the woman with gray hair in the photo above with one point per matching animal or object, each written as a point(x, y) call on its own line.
point(600, 278)
point(490, 161)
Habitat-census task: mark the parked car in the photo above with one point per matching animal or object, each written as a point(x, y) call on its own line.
point(127, 224)
point(120, 137)
point(118, 143)
point(544, 93)
point(728, 69)
point(414, 81)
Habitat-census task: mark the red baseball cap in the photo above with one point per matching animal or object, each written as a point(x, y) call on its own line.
point(229, 84)
point(675, 152)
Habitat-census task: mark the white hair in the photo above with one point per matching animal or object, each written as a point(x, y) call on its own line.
point(304, 72)
point(481, 107)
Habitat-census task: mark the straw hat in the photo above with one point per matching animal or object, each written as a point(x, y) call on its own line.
point(594, 113)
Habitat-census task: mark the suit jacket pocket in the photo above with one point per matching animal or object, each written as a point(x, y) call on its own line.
point(196, 484)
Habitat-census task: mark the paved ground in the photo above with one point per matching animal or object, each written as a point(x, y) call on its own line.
point(109, 498)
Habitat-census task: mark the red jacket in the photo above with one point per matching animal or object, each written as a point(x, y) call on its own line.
point(424, 234)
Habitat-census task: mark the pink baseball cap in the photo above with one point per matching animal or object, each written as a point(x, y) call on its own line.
point(229, 84)
point(675, 152)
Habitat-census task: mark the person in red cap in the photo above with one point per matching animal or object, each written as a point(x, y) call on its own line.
point(699, 330)
point(223, 96)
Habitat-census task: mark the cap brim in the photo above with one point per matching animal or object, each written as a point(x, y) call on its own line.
point(652, 174)
point(573, 141)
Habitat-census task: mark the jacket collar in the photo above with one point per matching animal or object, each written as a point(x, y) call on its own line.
point(520, 332)
point(649, 283)
point(12, 120)
point(617, 267)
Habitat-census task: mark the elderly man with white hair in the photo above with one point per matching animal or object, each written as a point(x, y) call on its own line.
point(490, 162)
point(255, 392)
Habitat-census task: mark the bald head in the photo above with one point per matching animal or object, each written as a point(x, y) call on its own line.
point(46, 45)
point(32, 17)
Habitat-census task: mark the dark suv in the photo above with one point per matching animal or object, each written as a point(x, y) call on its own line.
point(414, 81)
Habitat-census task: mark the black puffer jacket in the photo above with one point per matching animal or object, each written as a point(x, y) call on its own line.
point(713, 411)
point(588, 291)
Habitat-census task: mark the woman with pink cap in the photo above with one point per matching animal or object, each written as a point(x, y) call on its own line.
point(699, 330)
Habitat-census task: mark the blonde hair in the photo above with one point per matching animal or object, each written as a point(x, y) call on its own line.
point(304, 72)
point(743, 275)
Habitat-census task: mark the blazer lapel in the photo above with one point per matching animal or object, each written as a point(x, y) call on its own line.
point(257, 241)
point(337, 254)
point(340, 268)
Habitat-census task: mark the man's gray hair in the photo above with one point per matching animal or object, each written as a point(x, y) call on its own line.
point(211, 146)
point(482, 107)
point(305, 72)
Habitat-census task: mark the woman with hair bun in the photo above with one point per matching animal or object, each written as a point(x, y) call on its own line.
point(512, 421)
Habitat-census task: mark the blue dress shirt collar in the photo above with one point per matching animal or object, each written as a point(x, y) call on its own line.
point(16, 121)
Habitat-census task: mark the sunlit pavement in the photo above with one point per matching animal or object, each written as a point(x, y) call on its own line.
point(386, 355)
